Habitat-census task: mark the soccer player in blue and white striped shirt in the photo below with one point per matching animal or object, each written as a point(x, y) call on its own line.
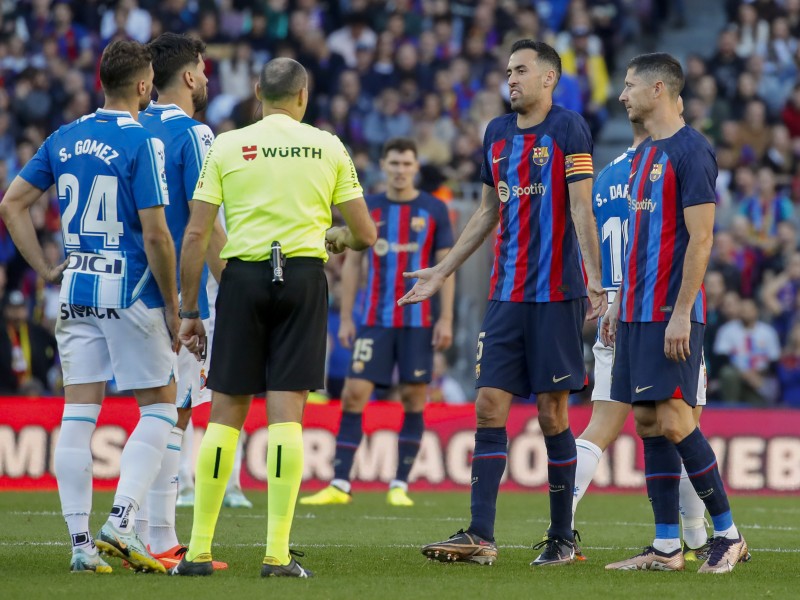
point(119, 302)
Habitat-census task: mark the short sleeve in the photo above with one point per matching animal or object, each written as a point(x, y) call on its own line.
point(347, 186)
point(209, 183)
point(149, 176)
point(487, 175)
point(697, 177)
point(443, 237)
point(577, 150)
point(199, 140)
point(39, 172)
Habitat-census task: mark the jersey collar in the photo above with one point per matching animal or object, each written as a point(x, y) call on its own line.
point(113, 113)
point(154, 106)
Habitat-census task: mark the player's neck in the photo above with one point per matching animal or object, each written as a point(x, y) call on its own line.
point(664, 125)
point(182, 101)
point(123, 105)
point(535, 115)
point(404, 195)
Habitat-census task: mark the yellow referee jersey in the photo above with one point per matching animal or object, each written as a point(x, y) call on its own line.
point(276, 181)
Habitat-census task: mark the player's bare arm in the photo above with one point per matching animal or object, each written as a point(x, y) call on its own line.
point(351, 275)
point(580, 195)
point(480, 225)
point(443, 328)
point(700, 223)
point(160, 250)
point(15, 212)
point(195, 247)
point(359, 233)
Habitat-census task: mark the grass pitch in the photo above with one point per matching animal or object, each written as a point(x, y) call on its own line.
point(370, 550)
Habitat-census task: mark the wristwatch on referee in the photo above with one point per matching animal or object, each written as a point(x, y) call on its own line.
point(189, 314)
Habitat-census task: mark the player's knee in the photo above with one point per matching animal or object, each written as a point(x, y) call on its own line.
point(489, 413)
point(672, 430)
point(352, 400)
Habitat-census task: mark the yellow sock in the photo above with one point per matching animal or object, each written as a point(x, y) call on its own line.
point(284, 473)
point(214, 467)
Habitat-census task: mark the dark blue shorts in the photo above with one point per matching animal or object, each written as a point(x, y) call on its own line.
point(643, 373)
point(532, 347)
point(378, 349)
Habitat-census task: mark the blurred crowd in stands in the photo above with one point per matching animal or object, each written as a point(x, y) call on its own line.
point(435, 70)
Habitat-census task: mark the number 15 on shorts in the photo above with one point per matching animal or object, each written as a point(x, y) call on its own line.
point(479, 355)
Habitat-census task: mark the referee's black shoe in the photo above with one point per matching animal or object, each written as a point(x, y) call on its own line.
point(293, 569)
point(200, 567)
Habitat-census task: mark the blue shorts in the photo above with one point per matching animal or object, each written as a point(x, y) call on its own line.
point(532, 347)
point(378, 349)
point(643, 373)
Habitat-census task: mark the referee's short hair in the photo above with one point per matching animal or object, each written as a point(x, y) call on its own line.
point(659, 66)
point(399, 144)
point(281, 79)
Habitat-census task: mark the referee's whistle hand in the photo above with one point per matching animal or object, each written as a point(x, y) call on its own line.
point(336, 240)
point(192, 335)
point(429, 281)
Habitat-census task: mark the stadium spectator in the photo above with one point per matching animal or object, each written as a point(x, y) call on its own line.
point(752, 348)
point(788, 370)
point(27, 350)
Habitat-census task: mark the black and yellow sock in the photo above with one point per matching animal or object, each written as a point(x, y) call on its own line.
point(214, 467)
point(284, 473)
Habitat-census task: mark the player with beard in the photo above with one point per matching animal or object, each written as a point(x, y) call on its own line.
point(182, 88)
point(119, 301)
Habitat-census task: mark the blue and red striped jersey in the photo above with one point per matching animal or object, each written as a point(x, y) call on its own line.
point(536, 251)
point(666, 177)
point(409, 235)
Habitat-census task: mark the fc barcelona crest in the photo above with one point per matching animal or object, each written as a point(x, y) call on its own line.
point(655, 174)
point(417, 223)
point(541, 155)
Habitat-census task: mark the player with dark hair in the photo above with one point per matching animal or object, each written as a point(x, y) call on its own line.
point(610, 204)
point(118, 288)
point(537, 175)
point(182, 89)
point(414, 231)
point(657, 319)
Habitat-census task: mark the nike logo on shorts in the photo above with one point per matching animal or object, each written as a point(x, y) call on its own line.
point(557, 379)
point(640, 390)
point(419, 372)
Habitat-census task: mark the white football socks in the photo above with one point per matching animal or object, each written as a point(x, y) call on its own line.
point(186, 469)
point(73, 468)
point(162, 496)
point(693, 512)
point(589, 456)
point(141, 462)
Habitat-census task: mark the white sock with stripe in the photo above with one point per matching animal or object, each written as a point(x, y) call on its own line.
point(141, 462)
point(73, 468)
point(162, 496)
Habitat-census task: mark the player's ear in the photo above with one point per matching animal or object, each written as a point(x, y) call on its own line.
point(188, 78)
point(258, 90)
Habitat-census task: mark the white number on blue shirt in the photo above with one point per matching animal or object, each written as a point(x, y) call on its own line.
point(100, 215)
point(616, 232)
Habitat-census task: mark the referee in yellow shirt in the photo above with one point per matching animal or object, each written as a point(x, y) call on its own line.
point(276, 181)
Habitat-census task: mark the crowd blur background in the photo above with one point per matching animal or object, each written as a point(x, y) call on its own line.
point(434, 70)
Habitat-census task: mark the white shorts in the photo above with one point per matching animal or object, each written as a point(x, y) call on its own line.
point(192, 375)
point(604, 359)
point(131, 345)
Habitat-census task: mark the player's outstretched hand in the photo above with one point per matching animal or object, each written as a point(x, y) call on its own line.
point(676, 338)
point(608, 326)
point(193, 336)
point(442, 334)
point(335, 240)
point(429, 282)
point(347, 333)
point(598, 301)
point(55, 274)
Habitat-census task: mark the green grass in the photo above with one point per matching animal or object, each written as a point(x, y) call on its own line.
point(370, 550)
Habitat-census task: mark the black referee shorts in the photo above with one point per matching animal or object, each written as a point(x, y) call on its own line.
point(269, 336)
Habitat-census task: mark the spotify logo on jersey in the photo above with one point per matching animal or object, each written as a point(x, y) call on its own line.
point(503, 192)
